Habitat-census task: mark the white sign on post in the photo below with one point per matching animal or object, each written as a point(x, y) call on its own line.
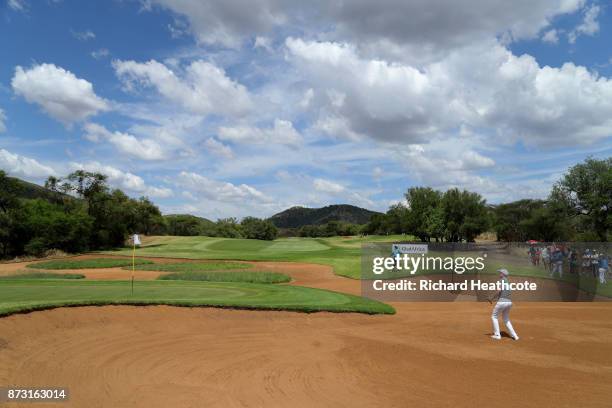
point(136, 239)
point(409, 249)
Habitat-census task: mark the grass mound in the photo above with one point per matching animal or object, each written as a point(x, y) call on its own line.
point(31, 295)
point(192, 266)
point(42, 275)
point(87, 263)
point(245, 277)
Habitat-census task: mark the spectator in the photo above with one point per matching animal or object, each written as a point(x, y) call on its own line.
point(603, 268)
point(545, 258)
point(557, 262)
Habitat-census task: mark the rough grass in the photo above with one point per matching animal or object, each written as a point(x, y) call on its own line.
point(42, 275)
point(30, 295)
point(86, 263)
point(192, 266)
point(246, 277)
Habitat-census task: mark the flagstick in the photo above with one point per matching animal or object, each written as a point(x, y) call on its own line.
point(133, 264)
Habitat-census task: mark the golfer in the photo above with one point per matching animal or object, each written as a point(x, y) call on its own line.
point(503, 306)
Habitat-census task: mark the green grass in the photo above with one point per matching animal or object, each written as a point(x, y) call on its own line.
point(86, 263)
point(343, 254)
point(28, 295)
point(42, 275)
point(247, 277)
point(192, 266)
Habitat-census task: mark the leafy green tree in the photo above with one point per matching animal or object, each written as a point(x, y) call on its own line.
point(465, 215)
point(422, 202)
point(255, 228)
point(585, 193)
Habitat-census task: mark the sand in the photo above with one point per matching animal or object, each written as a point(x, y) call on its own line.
point(427, 355)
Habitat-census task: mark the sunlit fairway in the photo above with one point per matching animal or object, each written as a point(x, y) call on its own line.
point(29, 295)
point(343, 254)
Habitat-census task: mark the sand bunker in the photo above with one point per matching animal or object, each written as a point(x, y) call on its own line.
point(427, 355)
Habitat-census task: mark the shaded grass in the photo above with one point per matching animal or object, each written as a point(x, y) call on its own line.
point(42, 275)
point(247, 277)
point(18, 296)
point(191, 266)
point(86, 263)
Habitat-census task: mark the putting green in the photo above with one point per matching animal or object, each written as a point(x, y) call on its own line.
point(28, 295)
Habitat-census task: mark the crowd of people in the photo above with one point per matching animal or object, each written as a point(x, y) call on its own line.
point(585, 262)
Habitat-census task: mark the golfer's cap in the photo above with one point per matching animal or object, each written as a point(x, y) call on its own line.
point(503, 272)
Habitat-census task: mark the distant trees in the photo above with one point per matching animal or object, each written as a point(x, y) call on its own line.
point(430, 214)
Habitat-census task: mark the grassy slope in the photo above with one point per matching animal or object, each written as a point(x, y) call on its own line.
point(28, 295)
point(220, 276)
point(341, 253)
point(86, 263)
point(192, 266)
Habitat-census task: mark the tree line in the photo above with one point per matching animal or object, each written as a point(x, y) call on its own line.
point(577, 209)
point(84, 213)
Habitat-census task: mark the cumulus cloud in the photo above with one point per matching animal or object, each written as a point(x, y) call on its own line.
point(426, 26)
point(58, 92)
point(146, 149)
point(124, 180)
point(327, 186)
point(226, 22)
point(282, 132)
point(482, 86)
point(21, 166)
point(204, 88)
point(218, 190)
point(589, 25)
point(551, 36)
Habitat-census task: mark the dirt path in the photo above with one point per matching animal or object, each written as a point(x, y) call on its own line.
point(427, 355)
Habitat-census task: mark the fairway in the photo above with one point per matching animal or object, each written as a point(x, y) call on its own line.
point(28, 295)
point(341, 253)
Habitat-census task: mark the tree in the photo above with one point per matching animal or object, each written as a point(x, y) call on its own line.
point(585, 193)
point(465, 215)
point(255, 228)
point(422, 202)
point(509, 220)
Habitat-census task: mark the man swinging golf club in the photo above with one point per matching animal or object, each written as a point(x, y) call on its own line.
point(503, 306)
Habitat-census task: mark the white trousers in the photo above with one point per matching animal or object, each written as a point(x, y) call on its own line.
point(504, 309)
point(602, 275)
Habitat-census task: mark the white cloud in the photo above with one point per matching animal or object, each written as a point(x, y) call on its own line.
point(204, 88)
point(17, 5)
point(218, 148)
point(263, 43)
point(483, 86)
point(226, 22)
point(124, 180)
point(218, 190)
point(59, 92)
point(100, 53)
point(2, 121)
point(327, 186)
point(589, 25)
point(21, 166)
point(146, 149)
point(282, 132)
point(83, 35)
point(551, 36)
point(404, 28)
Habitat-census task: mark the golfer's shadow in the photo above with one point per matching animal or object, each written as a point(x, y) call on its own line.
point(502, 333)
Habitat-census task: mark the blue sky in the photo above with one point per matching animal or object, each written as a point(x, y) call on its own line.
point(233, 108)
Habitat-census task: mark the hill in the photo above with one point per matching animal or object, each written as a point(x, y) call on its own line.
point(32, 191)
point(296, 217)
